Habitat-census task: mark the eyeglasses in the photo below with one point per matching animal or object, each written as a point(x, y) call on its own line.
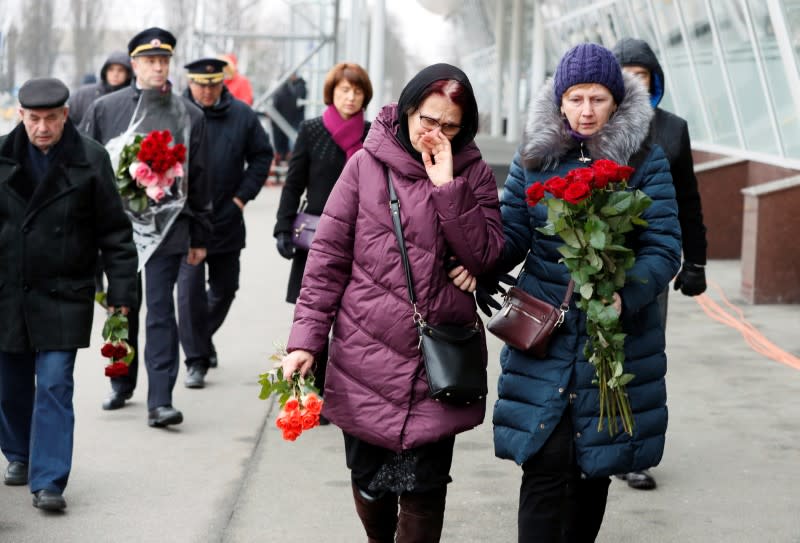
point(429, 123)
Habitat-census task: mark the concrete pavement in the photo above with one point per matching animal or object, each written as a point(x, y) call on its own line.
point(730, 473)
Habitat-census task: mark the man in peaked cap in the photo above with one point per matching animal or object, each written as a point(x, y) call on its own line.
point(47, 299)
point(238, 162)
point(159, 109)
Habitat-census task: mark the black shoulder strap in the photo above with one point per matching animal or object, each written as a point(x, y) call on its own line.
point(394, 205)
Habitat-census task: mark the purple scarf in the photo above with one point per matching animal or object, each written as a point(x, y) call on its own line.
point(347, 134)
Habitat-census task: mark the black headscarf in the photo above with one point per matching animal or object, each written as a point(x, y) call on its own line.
point(411, 98)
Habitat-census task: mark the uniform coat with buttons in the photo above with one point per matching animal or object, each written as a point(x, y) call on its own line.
point(534, 394)
point(49, 242)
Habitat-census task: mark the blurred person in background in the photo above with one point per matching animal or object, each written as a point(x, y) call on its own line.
point(238, 84)
point(287, 100)
point(115, 74)
point(324, 144)
point(239, 156)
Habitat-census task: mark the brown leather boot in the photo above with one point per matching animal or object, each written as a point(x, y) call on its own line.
point(421, 516)
point(379, 516)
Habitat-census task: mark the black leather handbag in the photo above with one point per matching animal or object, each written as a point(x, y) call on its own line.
point(453, 354)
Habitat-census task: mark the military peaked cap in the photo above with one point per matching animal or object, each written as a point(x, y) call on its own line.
point(152, 41)
point(206, 71)
point(43, 93)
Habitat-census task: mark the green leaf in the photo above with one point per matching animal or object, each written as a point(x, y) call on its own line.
point(548, 229)
point(570, 237)
point(626, 378)
point(597, 239)
point(568, 252)
point(618, 203)
point(587, 289)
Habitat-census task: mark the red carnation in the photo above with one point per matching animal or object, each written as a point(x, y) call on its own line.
point(625, 172)
point(577, 192)
point(535, 193)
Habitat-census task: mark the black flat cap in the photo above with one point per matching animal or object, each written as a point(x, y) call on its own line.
point(152, 41)
point(206, 71)
point(43, 93)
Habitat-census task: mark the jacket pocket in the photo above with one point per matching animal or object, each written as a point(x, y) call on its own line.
point(81, 290)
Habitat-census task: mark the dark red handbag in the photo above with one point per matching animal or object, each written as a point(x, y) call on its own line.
point(526, 322)
point(303, 229)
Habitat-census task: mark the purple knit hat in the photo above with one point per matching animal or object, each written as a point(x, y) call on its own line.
point(589, 63)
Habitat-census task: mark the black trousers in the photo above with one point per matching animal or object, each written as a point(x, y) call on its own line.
point(161, 340)
point(201, 312)
point(556, 504)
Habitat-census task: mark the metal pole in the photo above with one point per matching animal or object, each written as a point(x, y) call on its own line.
point(497, 99)
point(376, 54)
point(538, 46)
point(726, 77)
point(512, 134)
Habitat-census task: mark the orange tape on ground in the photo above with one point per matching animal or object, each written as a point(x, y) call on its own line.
point(734, 318)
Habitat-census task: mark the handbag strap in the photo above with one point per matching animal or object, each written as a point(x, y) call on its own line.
point(394, 206)
point(567, 296)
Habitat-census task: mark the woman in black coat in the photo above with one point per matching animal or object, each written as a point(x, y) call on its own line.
point(323, 146)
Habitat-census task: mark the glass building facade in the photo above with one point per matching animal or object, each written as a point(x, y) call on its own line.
point(731, 66)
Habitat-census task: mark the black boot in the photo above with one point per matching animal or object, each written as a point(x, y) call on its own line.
point(377, 514)
point(421, 516)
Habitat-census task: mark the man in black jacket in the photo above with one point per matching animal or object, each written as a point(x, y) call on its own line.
point(59, 206)
point(238, 162)
point(116, 74)
point(671, 133)
point(149, 104)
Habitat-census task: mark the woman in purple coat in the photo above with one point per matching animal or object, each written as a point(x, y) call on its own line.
point(398, 441)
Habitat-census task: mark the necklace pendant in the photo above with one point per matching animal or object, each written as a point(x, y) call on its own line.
point(583, 159)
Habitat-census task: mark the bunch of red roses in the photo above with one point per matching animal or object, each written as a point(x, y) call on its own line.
point(156, 152)
point(300, 402)
point(148, 167)
point(592, 209)
point(579, 183)
point(116, 348)
point(298, 414)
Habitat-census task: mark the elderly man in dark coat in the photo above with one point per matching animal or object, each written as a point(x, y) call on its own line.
point(59, 206)
point(238, 162)
point(115, 74)
point(155, 107)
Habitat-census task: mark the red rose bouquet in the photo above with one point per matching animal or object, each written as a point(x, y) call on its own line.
point(116, 347)
point(592, 209)
point(299, 400)
point(148, 168)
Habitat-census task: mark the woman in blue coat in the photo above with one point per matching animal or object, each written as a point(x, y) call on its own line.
point(546, 417)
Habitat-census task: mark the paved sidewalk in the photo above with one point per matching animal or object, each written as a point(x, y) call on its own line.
point(731, 471)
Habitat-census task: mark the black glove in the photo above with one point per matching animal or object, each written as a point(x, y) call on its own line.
point(691, 280)
point(285, 245)
point(489, 285)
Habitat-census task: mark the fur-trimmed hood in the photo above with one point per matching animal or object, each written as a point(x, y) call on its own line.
point(546, 138)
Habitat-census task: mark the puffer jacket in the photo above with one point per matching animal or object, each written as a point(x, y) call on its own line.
point(376, 387)
point(534, 394)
